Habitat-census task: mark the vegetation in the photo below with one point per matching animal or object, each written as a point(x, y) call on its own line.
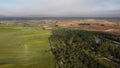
point(84, 49)
point(25, 47)
point(84, 24)
point(24, 44)
point(102, 25)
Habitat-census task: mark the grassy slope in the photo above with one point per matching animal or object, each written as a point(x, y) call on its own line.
point(25, 47)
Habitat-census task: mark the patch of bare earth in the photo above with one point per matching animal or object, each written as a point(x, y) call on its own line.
point(112, 27)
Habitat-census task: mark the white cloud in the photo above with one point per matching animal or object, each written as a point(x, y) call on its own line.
point(63, 8)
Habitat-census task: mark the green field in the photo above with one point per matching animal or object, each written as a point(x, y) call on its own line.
point(25, 47)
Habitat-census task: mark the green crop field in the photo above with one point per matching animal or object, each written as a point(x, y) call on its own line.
point(25, 47)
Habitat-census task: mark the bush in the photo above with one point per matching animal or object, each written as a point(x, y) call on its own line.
point(84, 24)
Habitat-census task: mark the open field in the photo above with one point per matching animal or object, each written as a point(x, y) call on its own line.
point(102, 25)
point(25, 47)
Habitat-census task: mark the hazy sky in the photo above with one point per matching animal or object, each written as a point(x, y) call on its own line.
point(79, 8)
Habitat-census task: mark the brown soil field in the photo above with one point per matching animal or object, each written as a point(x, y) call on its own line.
point(109, 26)
point(102, 25)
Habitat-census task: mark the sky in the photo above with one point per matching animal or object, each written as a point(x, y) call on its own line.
point(60, 8)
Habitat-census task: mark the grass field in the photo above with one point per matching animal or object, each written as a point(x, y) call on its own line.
point(25, 47)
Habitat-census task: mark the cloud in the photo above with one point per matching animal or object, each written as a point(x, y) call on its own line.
point(60, 7)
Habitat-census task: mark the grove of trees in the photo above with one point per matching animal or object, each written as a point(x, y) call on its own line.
point(78, 49)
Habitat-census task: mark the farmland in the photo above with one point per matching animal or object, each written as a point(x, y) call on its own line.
point(25, 47)
point(25, 44)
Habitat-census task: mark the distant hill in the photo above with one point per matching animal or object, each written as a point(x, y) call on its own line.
point(3, 17)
